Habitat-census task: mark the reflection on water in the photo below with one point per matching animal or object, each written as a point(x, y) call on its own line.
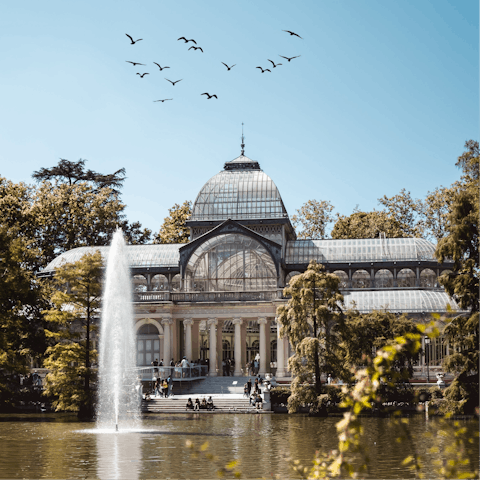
point(61, 447)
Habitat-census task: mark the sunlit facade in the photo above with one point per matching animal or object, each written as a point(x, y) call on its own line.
point(216, 296)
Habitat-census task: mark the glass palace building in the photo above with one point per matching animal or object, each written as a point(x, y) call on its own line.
point(216, 296)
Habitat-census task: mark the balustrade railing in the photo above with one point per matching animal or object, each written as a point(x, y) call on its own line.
point(176, 373)
point(267, 295)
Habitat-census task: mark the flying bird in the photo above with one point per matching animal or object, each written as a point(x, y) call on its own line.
point(164, 100)
point(176, 81)
point(264, 70)
point(161, 68)
point(196, 48)
point(209, 96)
point(135, 63)
point(273, 63)
point(133, 42)
point(229, 68)
point(292, 33)
point(142, 74)
point(186, 41)
point(291, 58)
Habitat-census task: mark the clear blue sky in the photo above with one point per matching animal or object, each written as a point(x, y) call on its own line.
point(383, 97)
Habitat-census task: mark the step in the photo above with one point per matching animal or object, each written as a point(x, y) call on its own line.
point(222, 405)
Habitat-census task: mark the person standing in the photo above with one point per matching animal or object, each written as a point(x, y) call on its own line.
point(227, 367)
point(170, 386)
point(249, 386)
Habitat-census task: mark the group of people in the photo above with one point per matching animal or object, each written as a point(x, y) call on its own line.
point(254, 365)
point(203, 405)
point(253, 392)
point(163, 387)
point(228, 366)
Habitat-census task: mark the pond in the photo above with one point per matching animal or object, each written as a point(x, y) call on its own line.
point(58, 446)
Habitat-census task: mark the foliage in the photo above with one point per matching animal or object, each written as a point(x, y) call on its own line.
point(404, 211)
point(76, 301)
point(461, 244)
point(363, 334)
point(313, 218)
point(174, 229)
point(75, 207)
point(74, 172)
point(367, 225)
point(434, 212)
point(307, 320)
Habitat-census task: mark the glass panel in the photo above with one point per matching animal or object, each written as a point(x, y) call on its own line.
point(156, 345)
point(148, 345)
point(148, 358)
point(140, 345)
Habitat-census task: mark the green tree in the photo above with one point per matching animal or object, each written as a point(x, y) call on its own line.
point(308, 318)
point(405, 211)
point(76, 302)
point(461, 244)
point(22, 299)
point(313, 218)
point(74, 207)
point(362, 335)
point(367, 225)
point(434, 212)
point(174, 229)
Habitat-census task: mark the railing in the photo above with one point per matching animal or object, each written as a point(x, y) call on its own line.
point(176, 373)
point(267, 295)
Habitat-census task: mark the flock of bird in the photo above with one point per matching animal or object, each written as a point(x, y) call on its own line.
point(195, 48)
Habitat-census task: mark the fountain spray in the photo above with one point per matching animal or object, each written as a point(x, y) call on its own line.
point(117, 398)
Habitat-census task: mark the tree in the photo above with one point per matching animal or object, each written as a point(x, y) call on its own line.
point(21, 301)
point(435, 210)
point(74, 172)
point(461, 244)
point(367, 225)
point(405, 211)
point(362, 335)
point(76, 302)
point(74, 207)
point(174, 229)
point(307, 320)
point(313, 218)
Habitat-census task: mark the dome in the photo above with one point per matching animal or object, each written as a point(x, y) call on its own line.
point(241, 191)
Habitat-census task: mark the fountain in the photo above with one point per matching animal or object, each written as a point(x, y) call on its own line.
point(118, 402)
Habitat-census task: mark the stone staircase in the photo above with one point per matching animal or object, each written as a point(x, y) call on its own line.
point(175, 404)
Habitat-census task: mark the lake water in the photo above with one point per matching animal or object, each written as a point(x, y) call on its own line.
point(58, 446)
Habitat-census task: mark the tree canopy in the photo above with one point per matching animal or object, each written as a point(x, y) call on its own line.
point(308, 318)
point(461, 244)
point(173, 229)
point(76, 303)
point(313, 219)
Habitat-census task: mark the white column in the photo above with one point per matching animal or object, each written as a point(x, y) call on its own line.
point(263, 351)
point(280, 353)
point(238, 347)
point(166, 322)
point(212, 360)
point(187, 323)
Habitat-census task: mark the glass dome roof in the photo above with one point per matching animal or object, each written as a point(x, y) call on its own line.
point(242, 191)
point(414, 301)
point(359, 250)
point(163, 255)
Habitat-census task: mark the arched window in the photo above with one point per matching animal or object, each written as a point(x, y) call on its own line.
point(148, 345)
point(361, 279)
point(273, 351)
point(176, 283)
point(230, 262)
point(139, 283)
point(227, 350)
point(290, 276)
point(159, 283)
point(428, 278)
point(343, 278)
point(384, 279)
point(405, 278)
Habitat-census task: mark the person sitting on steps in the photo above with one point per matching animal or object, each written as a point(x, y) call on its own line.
point(203, 405)
point(197, 404)
point(210, 405)
point(189, 405)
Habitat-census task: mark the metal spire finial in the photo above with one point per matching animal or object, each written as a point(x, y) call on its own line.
point(243, 143)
